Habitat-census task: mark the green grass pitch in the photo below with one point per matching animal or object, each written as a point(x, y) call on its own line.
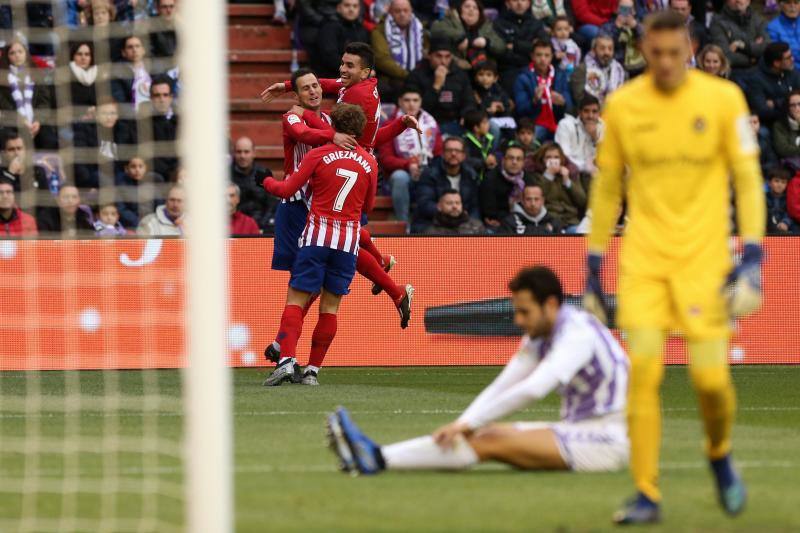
point(286, 480)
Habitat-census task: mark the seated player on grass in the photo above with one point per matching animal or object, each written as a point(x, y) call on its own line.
point(564, 349)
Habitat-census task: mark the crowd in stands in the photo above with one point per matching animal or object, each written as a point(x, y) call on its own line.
point(508, 94)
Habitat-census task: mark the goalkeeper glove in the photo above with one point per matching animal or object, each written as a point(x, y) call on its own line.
point(743, 286)
point(593, 298)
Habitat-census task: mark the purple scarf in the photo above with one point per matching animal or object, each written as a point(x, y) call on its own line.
point(518, 185)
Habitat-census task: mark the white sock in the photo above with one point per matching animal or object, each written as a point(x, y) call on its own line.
point(276, 346)
point(312, 368)
point(424, 453)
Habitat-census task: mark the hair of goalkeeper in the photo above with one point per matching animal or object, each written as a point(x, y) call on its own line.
point(540, 281)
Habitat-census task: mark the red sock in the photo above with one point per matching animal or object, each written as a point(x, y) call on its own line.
point(310, 302)
point(367, 266)
point(365, 243)
point(290, 329)
point(322, 338)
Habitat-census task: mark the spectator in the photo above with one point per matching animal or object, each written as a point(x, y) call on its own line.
point(525, 136)
point(769, 84)
point(471, 35)
point(479, 143)
point(138, 192)
point(626, 31)
point(163, 41)
point(567, 51)
point(793, 199)
point(541, 93)
point(784, 28)
point(592, 14)
point(245, 172)
point(83, 77)
point(25, 95)
point(599, 74)
point(578, 136)
point(447, 173)
point(100, 16)
point(786, 130)
point(519, 29)
point(712, 60)
point(164, 123)
point(131, 83)
point(778, 220)
point(529, 216)
point(492, 98)
point(548, 10)
point(14, 222)
point(445, 88)
point(312, 15)
point(404, 159)
point(767, 158)
point(70, 218)
point(740, 32)
point(107, 223)
point(399, 45)
point(565, 197)
point(334, 35)
point(697, 30)
point(18, 167)
point(108, 141)
point(451, 219)
point(240, 224)
point(503, 186)
point(168, 218)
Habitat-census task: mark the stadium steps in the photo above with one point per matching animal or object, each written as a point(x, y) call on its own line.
point(258, 37)
point(250, 14)
point(249, 61)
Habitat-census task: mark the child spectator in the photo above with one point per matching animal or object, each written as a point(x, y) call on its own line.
point(492, 98)
point(107, 223)
point(567, 51)
point(479, 143)
point(525, 136)
point(778, 220)
point(138, 192)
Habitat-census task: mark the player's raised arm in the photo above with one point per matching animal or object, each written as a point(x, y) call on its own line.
point(395, 127)
point(292, 184)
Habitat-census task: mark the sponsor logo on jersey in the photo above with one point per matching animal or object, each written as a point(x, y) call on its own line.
point(293, 119)
point(699, 125)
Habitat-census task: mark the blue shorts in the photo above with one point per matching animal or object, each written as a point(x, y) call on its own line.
point(290, 221)
point(319, 267)
point(364, 220)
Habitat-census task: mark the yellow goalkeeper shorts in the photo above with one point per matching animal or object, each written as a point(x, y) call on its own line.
point(692, 304)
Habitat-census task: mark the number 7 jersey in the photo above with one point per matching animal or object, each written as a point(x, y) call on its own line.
point(342, 185)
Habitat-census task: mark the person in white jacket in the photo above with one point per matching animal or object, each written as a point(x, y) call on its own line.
point(168, 218)
point(578, 136)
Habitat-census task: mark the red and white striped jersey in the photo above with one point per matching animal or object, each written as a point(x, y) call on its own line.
point(343, 185)
point(298, 140)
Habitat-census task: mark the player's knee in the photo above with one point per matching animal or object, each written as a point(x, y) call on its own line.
point(710, 380)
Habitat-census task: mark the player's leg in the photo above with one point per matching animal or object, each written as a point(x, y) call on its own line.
point(368, 267)
point(528, 448)
point(366, 243)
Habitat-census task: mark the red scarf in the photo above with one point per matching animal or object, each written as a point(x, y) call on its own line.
point(546, 118)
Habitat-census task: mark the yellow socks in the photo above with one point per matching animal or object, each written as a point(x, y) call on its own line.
point(644, 408)
point(712, 381)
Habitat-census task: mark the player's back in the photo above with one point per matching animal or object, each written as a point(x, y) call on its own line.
point(679, 148)
point(343, 183)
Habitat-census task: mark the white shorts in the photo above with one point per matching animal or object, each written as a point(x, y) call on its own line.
point(592, 445)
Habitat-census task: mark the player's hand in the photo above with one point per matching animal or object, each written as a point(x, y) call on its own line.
point(445, 436)
point(411, 122)
point(297, 110)
point(743, 286)
point(593, 298)
point(272, 92)
point(348, 142)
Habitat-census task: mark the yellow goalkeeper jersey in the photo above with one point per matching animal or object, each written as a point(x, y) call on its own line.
point(672, 156)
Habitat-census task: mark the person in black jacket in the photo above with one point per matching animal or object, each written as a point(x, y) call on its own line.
point(246, 173)
point(529, 216)
point(82, 76)
point(445, 88)
point(69, 219)
point(447, 173)
point(159, 123)
point(502, 187)
point(768, 84)
point(517, 26)
point(313, 15)
point(138, 192)
point(162, 38)
point(18, 168)
point(334, 35)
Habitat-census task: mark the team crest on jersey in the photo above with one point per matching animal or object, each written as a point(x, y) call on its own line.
point(699, 125)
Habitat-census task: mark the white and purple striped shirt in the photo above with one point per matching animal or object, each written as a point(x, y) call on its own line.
point(331, 233)
point(580, 359)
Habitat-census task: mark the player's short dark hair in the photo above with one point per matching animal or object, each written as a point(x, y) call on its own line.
point(541, 43)
point(526, 123)
point(349, 119)
point(588, 100)
point(778, 172)
point(473, 119)
point(540, 281)
point(299, 73)
point(362, 50)
point(774, 52)
point(667, 20)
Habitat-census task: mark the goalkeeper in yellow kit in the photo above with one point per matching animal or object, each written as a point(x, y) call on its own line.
point(674, 138)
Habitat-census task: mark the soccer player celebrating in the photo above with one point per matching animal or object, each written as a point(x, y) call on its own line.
point(343, 184)
point(564, 349)
point(355, 86)
point(673, 139)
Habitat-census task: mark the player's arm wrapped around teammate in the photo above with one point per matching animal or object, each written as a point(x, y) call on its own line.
point(604, 203)
point(292, 183)
point(744, 282)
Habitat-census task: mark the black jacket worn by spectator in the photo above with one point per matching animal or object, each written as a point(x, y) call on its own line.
point(137, 199)
point(763, 84)
point(254, 201)
point(433, 183)
point(163, 41)
point(518, 222)
point(520, 31)
point(454, 98)
point(728, 26)
point(112, 148)
point(495, 192)
point(331, 41)
point(460, 225)
point(165, 133)
point(313, 15)
point(50, 221)
point(495, 93)
point(36, 179)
